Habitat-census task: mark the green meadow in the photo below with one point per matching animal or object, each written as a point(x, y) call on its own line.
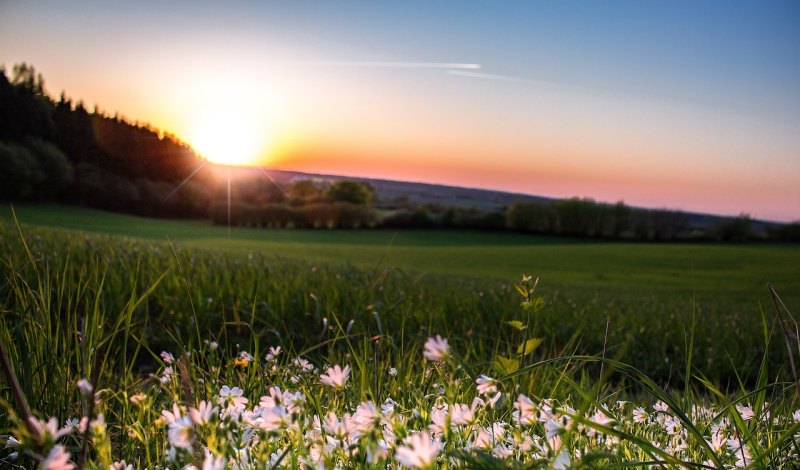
point(650, 295)
point(685, 332)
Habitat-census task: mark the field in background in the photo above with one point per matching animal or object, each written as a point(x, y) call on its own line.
point(651, 293)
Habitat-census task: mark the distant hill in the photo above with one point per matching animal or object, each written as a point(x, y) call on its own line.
point(389, 192)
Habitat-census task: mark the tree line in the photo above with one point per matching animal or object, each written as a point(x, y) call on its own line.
point(56, 150)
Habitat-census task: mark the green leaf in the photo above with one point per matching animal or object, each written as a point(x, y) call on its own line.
point(529, 346)
point(506, 365)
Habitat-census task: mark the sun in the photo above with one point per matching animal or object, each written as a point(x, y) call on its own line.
point(228, 137)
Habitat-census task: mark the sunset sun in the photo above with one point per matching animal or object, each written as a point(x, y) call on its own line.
point(230, 138)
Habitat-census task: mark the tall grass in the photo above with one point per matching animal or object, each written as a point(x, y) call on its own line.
point(77, 306)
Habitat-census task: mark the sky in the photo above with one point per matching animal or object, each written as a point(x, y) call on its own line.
point(691, 105)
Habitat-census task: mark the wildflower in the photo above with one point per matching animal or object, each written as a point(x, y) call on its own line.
point(203, 413)
point(85, 387)
point(231, 398)
point(486, 385)
point(525, 412)
point(741, 451)
point(303, 364)
point(418, 451)
point(393, 371)
point(49, 429)
point(563, 461)
point(436, 349)
point(495, 399)
point(138, 398)
point(661, 407)
point(640, 415)
point(244, 359)
point(746, 412)
point(439, 422)
point(487, 437)
point(168, 358)
point(181, 433)
point(274, 419)
point(335, 376)
point(273, 353)
point(120, 465)
point(57, 459)
point(174, 415)
point(212, 462)
point(366, 416)
point(166, 375)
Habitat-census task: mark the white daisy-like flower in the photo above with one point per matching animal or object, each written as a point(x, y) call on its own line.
point(85, 387)
point(746, 412)
point(57, 459)
point(486, 385)
point(640, 416)
point(49, 428)
point(203, 413)
point(335, 376)
point(436, 349)
point(418, 451)
point(181, 433)
point(120, 465)
point(231, 398)
point(273, 353)
point(525, 411)
point(213, 462)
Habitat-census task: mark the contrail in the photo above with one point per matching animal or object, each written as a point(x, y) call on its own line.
point(503, 78)
point(395, 65)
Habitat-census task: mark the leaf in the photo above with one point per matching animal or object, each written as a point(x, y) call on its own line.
point(516, 324)
point(533, 305)
point(529, 346)
point(506, 365)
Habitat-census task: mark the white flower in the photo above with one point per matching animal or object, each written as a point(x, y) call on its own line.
point(167, 357)
point(12, 442)
point(563, 461)
point(525, 412)
point(181, 433)
point(639, 415)
point(121, 465)
point(273, 353)
point(85, 387)
point(418, 451)
point(746, 412)
point(436, 349)
point(486, 385)
point(661, 406)
point(335, 376)
point(174, 415)
point(138, 398)
point(303, 364)
point(392, 371)
point(203, 413)
point(212, 462)
point(166, 375)
point(231, 398)
point(49, 428)
point(243, 359)
point(57, 459)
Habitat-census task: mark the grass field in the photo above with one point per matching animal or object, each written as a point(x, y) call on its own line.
point(97, 295)
point(651, 293)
